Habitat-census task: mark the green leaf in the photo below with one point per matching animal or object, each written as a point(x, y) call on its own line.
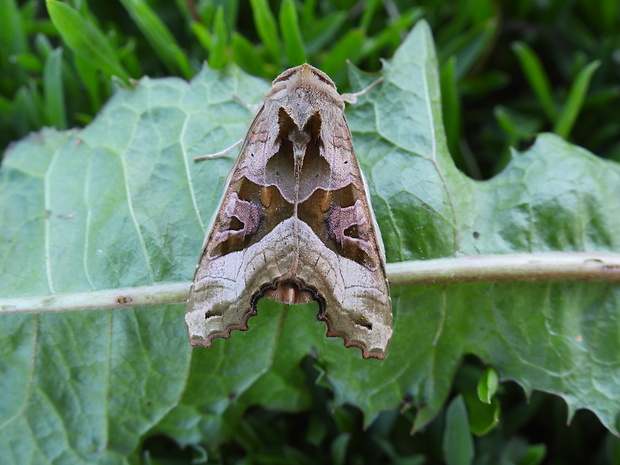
point(291, 34)
point(43, 45)
point(470, 46)
point(266, 26)
point(369, 12)
point(575, 99)
point(27, 108)
point(323, 31)
point(347, 48)
point(487, 386)
point(13, 38)
point(203, 35)
point(53, 90)
point(12, 35)
point(339, 448)
point(535, 74)
point(85, 39)
point(516, 125)
point(458, 446)
point(29, 62)
point(534, 455)
point(451, 108)
point(160, 37)
point(120, 203)
point(244, 52)
point(218, 58)
point(483, 417)
point(89, 76)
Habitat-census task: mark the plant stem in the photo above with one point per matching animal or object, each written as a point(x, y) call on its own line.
point(551, 266)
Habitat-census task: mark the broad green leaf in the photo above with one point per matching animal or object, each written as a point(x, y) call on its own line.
point(120, 203)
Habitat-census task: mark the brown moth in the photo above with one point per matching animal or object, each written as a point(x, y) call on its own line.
point(295, 224)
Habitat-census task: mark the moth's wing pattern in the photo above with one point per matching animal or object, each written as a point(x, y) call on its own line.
point(295, 224)
point(349, 253)
point(232, 266)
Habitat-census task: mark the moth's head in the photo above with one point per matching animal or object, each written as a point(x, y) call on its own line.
point(304, 73)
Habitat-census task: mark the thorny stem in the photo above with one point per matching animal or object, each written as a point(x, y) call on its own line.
point(551, 266)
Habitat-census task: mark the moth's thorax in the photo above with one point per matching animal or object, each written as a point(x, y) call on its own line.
point(303, 90)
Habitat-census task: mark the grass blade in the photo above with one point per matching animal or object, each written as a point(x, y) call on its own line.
point(535, 74)
point(88, 74)
point(53, 92)
point(291, 34)
point(160, 37)
point(218, 59)
point(458, 447)
point(574, 101)
point(266, 26)
point(349, 47)
point(203, 35)
point(13, 39)
point(244, 54)
point(85, 39)
point(451, 105)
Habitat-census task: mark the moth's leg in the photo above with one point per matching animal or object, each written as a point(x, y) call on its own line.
point(222, 153)
point(226, 151)
point(253, 107)
point(352, 98)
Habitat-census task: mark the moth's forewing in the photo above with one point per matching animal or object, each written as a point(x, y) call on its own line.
point(295, 224)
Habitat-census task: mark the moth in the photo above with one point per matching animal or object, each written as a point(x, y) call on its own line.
point(295, 224)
